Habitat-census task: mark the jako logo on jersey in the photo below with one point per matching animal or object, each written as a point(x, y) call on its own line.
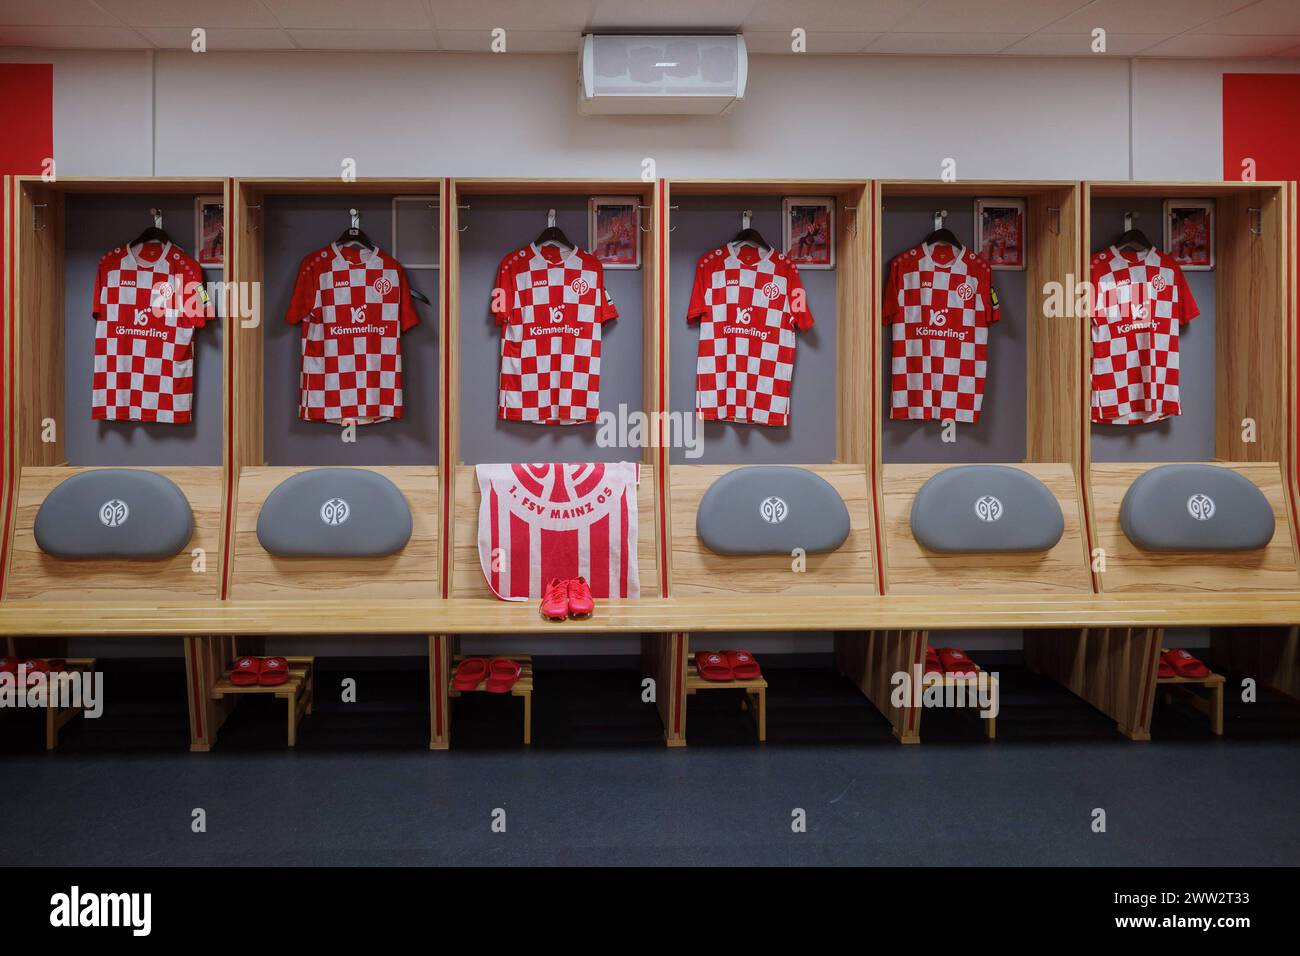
point(1200, 507)
point(126, 283)
point(733, 282)
point(988, 508)
point(557, 315)
point(113, 513)
point(966, 291)
point(334, 512)
point(359, 314)
point(383, 285)
point(580, 286)
point(773, 509)
point(744, 317)
point(771, 290)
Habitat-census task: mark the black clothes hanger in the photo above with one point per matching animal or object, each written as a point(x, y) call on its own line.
point(942, 233)
point(749, 234)
point(354, 233)
point(553, 233)
point(154, 233)
point(1132, 236)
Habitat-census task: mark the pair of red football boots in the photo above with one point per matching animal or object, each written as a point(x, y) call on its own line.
point(567, 599)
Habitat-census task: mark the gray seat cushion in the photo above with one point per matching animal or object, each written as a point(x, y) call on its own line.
point(118, 513)
point(1196, 508)
point(986, 509)
point(771, 509)
point(334, 513)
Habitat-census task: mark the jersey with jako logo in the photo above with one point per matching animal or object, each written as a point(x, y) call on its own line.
point(148, 302)
point(353, 304)
point(749, 303)
point(939, 303)
point(550, 307)
point(1140, 299)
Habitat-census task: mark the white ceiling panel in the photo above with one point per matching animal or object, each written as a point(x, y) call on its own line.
point(936, 44)
point(1080, 44)
point(553, 16)
point(1258, 19)
point(1166, 17)
point(631, 15)
point(368, 40)
point(1204, 45)
point(985, 16)
point(764, 42)
point(351, 14)
point(73, 38)
point(72, 13)
point(218, 38)
point(190, 13)
point(782, 16)
point(517, 41)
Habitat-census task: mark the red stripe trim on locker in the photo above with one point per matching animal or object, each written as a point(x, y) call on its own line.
point(229, 343)
point(446, 466)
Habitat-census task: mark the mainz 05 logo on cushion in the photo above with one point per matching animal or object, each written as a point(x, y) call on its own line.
point(1200, 507)
point(335, 511)
point(113, 513)
point(988, 508)
point(773, 509)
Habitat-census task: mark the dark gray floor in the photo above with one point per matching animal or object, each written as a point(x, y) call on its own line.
point(598, 788)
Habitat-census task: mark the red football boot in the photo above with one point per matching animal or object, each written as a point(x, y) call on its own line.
point(555, 600)
point(581, 603)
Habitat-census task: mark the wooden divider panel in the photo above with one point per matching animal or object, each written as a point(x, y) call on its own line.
point(412, 573)
point(1129, 569)
point(698, 571)
point(35, 575)
point(911, 569)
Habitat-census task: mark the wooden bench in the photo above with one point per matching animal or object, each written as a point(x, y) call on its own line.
point(56, 717)
point(754, 701)
point(1212, 706)
point(298, 692)
point(990, 723)
point(522, 688)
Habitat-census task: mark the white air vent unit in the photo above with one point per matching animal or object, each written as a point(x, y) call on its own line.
point(662, 74)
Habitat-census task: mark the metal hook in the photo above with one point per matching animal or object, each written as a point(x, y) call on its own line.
point(745, 218)
point(939, 218)
point(1128, 220)
point(157, 217)
point(37, 225)
point(550, 219)
point(854, 227)
point(356, 218)
point(465, 227)
point(252, 220)
point(673, 209)
point(1056, 218)
point(1257, 215)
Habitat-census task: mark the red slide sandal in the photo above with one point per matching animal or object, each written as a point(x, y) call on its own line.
point(1184, 664)
point(957, 663)
point(743, 665)
point(1164, 669)
point(932, 663)
point(469, 673)
point(246, 671)
point(34, 667)
point(275, 670)
point(713, 666)
point(8, 665)
point(503, 673)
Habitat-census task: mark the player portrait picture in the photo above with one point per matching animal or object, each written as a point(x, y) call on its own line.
point(1000, 233)
point(614, 231)
point(808, 227)
point(210, 224)
point(1189, 233)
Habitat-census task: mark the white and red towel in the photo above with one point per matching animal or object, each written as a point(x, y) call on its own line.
point(539, 521)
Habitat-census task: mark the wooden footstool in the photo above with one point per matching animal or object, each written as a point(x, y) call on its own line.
point(1211, 706)
point(990, 723)
point(523, 687)
point(297, 692)
point(754, 701)
point(57, 717)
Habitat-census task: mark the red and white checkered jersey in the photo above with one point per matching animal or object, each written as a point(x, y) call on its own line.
point(354, 304)
point(550, 307)
point(1140, 299)
point(939, 303)
point(148, 302)
point(749, 303)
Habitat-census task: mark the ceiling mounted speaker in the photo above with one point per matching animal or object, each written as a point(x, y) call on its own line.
point(662, 74)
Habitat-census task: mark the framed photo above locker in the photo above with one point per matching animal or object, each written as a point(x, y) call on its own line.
point(1189, 233)
point(1000, 233)
point(614, 231)
point(808, 231)
point(210, 231)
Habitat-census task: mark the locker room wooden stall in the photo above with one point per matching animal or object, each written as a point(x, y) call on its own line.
point(61, 229)
point(488, 219)
point(1237, 388)
point(827, 431)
